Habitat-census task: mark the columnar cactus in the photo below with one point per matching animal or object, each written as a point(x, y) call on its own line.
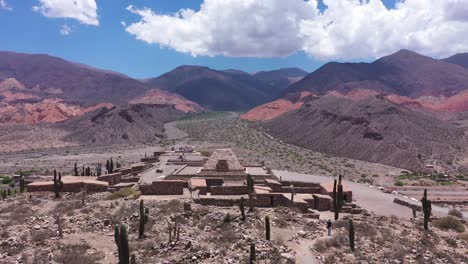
point(251, 191)
point(121, 239)
point(253, 256)
point(250, 184)
point(335, 201)
point(340, 193)
point(58, 184)
point(267, 227)
point(427, 209)
point(22, 183)
point(242, 208)
point(76, 170)
point(292, 194)
point(144, 216)
point(351, 234)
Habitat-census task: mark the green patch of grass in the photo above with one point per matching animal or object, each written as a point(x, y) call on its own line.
point(125, 192)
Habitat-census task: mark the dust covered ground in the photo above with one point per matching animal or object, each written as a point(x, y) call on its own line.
point(29, 233)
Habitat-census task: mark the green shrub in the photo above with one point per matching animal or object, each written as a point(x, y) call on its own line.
point(449, 223)
point(399, 183)
point(6, 180)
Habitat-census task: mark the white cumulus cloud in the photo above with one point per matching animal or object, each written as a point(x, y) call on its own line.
point(4, 5)
point(85, 11)
point(346, 29)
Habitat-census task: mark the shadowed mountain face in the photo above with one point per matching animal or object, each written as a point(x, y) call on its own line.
point(75, 83)
point(121, 125)
point(459, 59)
point(280, 79)
point(216, 90)
point(373, 129)
point(403, 73)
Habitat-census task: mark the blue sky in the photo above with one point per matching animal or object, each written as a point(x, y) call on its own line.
point(110, 46)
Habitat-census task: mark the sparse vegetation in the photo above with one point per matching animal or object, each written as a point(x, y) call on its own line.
point(449, 223)
point(125, 192)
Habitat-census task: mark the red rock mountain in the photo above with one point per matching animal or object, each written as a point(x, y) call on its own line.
point(42, 88)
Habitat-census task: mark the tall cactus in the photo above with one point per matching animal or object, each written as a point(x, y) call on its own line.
point(267, 227)
point(351, 234)
point(22, 183)
point(253, 256)
point(335, 202)
point(292, 194)
point(121, 239)
point(427, 209)
point(76, 170)
point(250, 184)
point(251, 191)
point(144, 216)
point(242, 208)
point(340, 193)
point(58, 184)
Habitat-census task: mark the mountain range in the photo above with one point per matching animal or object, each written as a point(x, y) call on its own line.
point(384, 111)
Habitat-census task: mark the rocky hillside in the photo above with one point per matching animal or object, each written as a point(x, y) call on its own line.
point(140, 123)
point(404, 73)
point(215, 90)
point(459, 58)
point(373, 129)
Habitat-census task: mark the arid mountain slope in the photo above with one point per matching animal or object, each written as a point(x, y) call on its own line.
point(215, 90)
point(160, 97)
point(459, 59)
point(72, 82)
point(403, 73)
point(278, 107)
point(130, 124)
point(280, 79)
point(372, 129)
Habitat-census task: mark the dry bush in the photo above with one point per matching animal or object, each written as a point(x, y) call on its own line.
point(40, 236)
point(449, 223)
point(77, 254)
point(226, 237)
point(363, 229)
point(463, 236)
point(281, 221)
point(123, 212)
point(336, 241)
point(173, 206)
point(456, 213)
point(125, 192)
point(20, 215)
point(67, 208)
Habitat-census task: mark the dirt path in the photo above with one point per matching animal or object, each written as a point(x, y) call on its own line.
point(302, 247)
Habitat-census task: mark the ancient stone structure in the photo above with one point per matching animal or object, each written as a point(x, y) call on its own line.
point(70, 184)
point(164, 187)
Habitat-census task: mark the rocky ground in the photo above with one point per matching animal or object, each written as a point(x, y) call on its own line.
point(30, 234)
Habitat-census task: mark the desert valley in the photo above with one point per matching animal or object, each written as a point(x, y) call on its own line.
point(223, 166)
